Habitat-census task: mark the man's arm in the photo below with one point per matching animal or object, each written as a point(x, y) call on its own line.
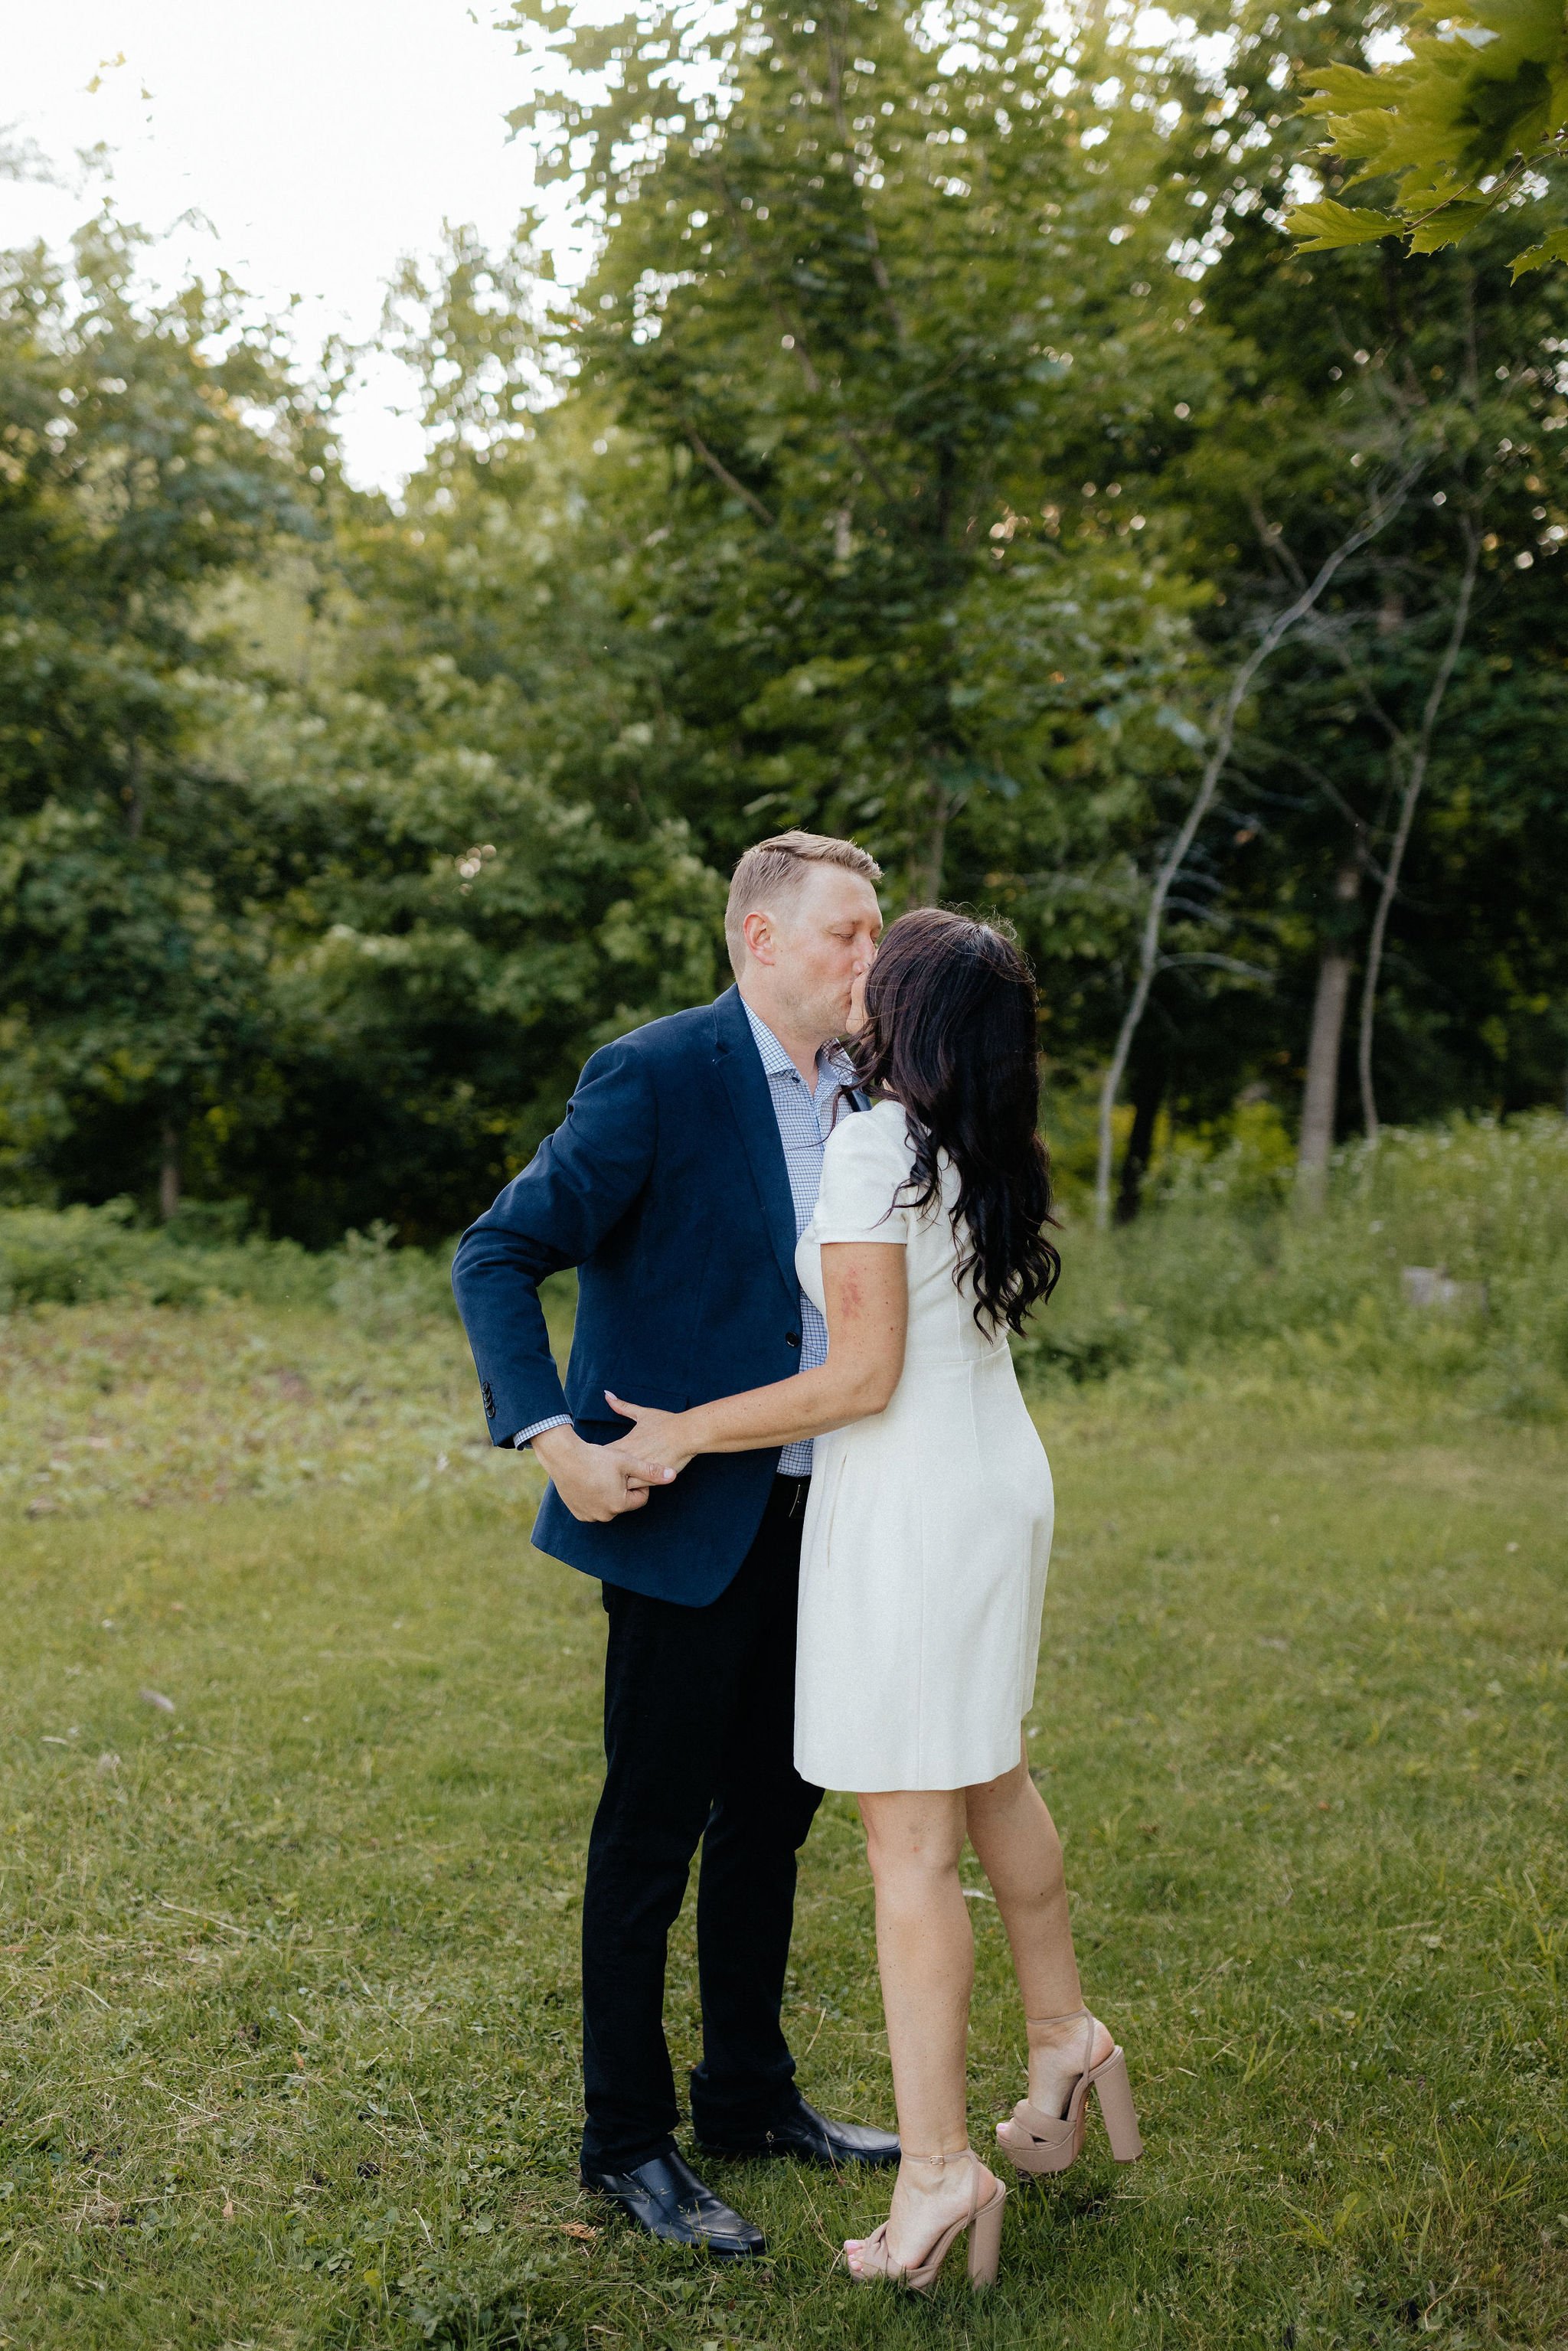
point(576, 1188)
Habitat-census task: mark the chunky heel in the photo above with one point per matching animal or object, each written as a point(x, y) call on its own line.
point(986, 2241)
point(983, 2224)
point(1038, 2143)
point(1117, 2111)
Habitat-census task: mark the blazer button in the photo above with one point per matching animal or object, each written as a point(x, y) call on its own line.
point(791, 1338)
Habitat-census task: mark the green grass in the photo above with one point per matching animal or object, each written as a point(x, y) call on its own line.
point(288, 1973)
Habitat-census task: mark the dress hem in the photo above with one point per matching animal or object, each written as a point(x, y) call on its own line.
point(919, 1784)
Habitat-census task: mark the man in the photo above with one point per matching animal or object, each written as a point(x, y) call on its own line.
point(683, 1176)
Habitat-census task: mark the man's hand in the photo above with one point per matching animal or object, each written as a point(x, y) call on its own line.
point(596, 1482)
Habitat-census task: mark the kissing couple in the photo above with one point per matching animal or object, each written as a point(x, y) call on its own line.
point(792, 1449)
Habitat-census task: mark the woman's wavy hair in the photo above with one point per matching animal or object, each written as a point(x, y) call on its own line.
point(950, 1014)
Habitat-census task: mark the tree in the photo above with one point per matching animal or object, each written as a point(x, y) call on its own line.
point(145, 453)
point(1327, 363)
point(872, 299)
point(764, 220)
point(1385, 503)
point(467, 888)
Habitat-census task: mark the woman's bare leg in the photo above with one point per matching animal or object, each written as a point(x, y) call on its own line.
point(1016, 1843)
point(926, 1955)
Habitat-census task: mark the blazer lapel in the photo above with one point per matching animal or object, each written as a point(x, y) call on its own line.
point(747, 1085)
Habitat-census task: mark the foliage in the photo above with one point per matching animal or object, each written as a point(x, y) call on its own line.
point(1225, 1271)
point(147, 450)
point(877, 308)
point(82, 1256)
point(1220, 1271)
point(1332, 367)
point(79, 1255)
point(1474, 122)
point(775, 279)
point(451, 935)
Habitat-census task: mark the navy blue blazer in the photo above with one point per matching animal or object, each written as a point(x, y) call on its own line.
point(666, 1187)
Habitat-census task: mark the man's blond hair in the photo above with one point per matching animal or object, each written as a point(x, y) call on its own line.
point(771, 872)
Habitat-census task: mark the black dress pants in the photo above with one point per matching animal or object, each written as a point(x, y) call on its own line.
point(699, 1717)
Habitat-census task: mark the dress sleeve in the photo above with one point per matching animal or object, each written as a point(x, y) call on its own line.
point(865, 1168)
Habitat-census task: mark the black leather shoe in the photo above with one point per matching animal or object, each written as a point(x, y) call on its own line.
point(807, 2136)
point(665, 2197)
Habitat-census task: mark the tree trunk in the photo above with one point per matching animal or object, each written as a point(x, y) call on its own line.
point(1320, 1097)
point(1148, 1093)
point(927, 860)
point(169, 1171)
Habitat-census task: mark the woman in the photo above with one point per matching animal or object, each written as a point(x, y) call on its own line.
point(923, 1560)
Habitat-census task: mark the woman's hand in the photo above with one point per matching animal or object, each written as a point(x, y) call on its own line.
point(659, 1438)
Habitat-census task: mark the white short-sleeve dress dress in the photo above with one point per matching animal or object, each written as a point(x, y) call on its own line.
point(927, 1531)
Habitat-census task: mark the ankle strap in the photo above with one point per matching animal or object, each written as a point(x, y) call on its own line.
point(1066, 2017)
point(959, 2154)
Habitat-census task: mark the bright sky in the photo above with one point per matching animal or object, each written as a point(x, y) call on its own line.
point(321, 139)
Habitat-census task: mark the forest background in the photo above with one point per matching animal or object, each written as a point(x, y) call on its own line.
point(950, 448)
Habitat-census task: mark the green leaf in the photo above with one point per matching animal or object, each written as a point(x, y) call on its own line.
point(1446, 227)
point(1325, 227)
point(1501, 116)
point(1537, 257)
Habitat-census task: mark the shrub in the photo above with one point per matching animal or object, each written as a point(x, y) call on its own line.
point(72, 1256)
point(1223, 1261)
point(383, 1291)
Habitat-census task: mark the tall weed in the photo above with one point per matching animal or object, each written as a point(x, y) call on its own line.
point(1223, 1261)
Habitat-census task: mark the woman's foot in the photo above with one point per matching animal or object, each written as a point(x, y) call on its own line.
point(928, 2197)
point(1056, 2058)
point(1069, 2056)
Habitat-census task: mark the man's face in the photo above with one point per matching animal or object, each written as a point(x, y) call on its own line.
point(821, 946)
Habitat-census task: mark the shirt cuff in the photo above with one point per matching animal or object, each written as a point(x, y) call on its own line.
point(526, 1436)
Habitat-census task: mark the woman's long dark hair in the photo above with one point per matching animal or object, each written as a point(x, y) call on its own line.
point(950, 1033)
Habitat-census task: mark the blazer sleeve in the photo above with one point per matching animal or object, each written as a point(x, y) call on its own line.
point(573, 1192)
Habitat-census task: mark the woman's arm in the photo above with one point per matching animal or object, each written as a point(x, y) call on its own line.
point(866, 1285)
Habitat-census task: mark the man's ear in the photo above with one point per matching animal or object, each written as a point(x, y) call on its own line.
point(758, 933)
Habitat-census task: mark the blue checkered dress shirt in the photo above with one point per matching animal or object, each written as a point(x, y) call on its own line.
point(805, 1121)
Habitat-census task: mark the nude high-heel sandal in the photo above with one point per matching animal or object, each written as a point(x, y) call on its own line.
point(983, 2222)
point(1037, 2142)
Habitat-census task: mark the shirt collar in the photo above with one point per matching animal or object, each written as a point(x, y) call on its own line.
point(831, 1062)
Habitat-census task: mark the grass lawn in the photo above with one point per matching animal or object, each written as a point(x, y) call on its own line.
point(287, 1948)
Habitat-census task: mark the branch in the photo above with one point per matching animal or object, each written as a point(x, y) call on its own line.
point(1176, 856)
point(1218, 963)
point(1415, 777)
point(721, 473)
point(1332, 638)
